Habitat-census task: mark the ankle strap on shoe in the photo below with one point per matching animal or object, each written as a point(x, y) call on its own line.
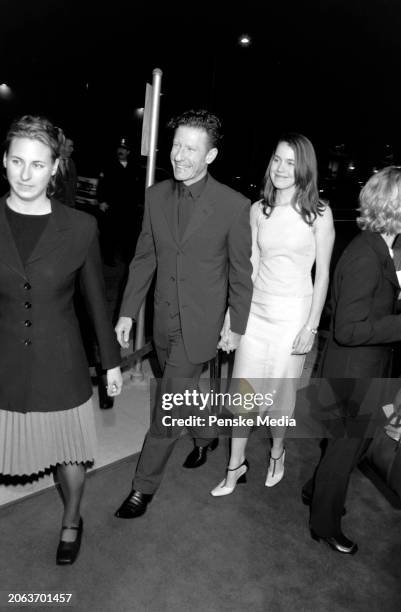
point(238, 466)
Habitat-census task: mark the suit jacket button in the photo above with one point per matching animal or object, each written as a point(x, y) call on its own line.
point(27, 342)
point(172, 278)
point(27, 286)
point(27, 323)
point(27, 305)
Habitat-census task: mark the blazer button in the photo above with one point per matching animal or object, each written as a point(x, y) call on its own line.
point(27, 286)
point(172, 278)
point(27, 305)
point(27, 323)
point(27, 342)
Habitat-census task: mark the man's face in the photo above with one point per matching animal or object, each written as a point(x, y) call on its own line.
point(122, 153)
point(191, 154)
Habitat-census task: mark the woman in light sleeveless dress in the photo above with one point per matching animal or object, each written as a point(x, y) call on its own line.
point(291, 230)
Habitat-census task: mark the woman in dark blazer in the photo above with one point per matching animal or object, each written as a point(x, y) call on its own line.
point(363, 327)
point(46, 417)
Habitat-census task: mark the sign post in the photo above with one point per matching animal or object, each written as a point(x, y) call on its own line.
point(150, 128)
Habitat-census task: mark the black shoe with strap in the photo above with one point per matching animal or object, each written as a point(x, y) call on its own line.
point(198, 454)
point(67, 552)
point(134, 505)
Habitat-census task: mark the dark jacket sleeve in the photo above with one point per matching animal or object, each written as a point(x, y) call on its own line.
point(141, 270)
point(240, 269)
point(93, 291)
point(354, 321)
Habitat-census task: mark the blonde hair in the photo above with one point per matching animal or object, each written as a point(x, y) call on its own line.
point(380, 202)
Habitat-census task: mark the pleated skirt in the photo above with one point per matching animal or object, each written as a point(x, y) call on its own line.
point(33, 442)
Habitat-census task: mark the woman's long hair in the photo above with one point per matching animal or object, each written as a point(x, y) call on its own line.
point(306, 198)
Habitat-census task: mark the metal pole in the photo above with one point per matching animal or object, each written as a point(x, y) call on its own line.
point(137, 372)
point(154, 126)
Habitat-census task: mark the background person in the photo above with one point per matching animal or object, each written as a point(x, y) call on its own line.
point(66, 177)
point(46, 414)
point(363, 328)
point(120, 196)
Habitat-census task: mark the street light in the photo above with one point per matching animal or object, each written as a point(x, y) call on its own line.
point(244, 40)
point(5, 91)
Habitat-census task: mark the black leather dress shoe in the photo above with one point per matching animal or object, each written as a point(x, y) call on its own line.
point(338, 543)
point(67, 552)
point(198, 454)
point(307, 501)
point(134, 505)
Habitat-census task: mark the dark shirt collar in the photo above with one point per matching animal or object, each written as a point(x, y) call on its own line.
point(195, 190)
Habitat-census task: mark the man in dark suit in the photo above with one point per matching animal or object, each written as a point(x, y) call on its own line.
point(357, 358)
point(196, 233)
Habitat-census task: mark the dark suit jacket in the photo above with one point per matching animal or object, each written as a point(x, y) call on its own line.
point(364, 326)
point(43, 366)
point(355, 369)
point(209, 263)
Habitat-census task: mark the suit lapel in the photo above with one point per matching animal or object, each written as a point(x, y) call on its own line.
point(8, 249)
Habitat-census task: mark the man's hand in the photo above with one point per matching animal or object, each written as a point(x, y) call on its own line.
point(123, 329)
point(103, 206)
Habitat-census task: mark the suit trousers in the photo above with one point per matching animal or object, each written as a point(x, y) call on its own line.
point(354, 419)
point(328, 487)
point(179, 375)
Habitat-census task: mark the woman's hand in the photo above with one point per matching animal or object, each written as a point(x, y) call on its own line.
point(303, 342)
point(114, 382)
point(224, 334)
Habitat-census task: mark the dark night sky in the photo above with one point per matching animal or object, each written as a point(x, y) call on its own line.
point(327, 68)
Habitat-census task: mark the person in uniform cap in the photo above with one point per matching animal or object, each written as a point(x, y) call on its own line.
point(120, 196)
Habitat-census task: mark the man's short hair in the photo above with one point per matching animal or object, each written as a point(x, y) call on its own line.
point(201, 119)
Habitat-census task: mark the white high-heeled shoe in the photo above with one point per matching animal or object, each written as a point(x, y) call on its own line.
point(223, 489)
point(274, 475)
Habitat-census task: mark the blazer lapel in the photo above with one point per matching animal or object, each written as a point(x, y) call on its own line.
point(52, 234)
point(380, 247)
point(8, 249)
